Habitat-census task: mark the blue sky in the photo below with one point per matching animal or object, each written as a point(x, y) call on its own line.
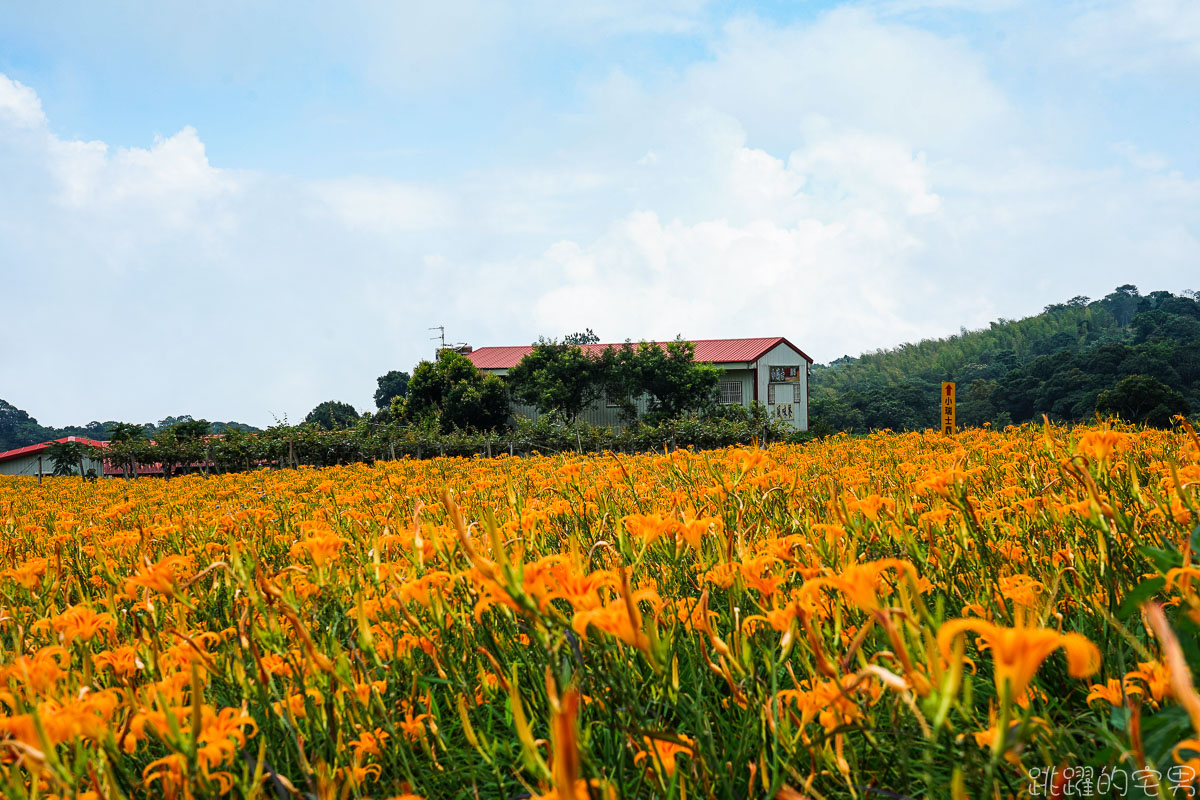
point(266, 205)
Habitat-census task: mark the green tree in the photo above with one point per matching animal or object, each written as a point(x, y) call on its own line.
point(587, 336)
point(1141, 398)
point(452, 392)
point(619, 371)
point(1122, 303)
point(184, 444)
point(392, 385)
point(229, 427)
point(95, 430)
point(669, 375)
point(170, 422)
point(67, 457)
point(191, 429)
point(556, 378)
point(127, 446)
point(976, 405)
point(909, 406)
point(333, 414)
point(125, 432)
point(828, 415)
point(168, 451)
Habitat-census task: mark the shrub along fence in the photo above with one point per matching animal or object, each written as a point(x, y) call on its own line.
point(284, 446)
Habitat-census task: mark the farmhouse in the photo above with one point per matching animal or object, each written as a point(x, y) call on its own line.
point(771, 371)
point(32, 460)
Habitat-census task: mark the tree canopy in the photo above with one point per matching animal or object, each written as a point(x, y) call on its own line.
point(451, 393)
point(556, 378)
point(125, 432)
point(390, 386)
point(1140, 398)
point(191, 429)
point(67, 457)
point(586, 336)
point(669, 375)
point(333, 414)
point(561, 377)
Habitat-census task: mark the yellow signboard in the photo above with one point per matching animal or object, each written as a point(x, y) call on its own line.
point(947, 408)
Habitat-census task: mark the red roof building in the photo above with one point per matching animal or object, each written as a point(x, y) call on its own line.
point(709, 351)
point(768, 370)
point(32, 459)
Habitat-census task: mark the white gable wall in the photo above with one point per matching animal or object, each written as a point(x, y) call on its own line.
point(782, 355)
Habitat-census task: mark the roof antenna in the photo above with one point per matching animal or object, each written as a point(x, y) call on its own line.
point(441, 337)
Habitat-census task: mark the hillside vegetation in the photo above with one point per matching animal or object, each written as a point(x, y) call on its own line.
point(1126, 354)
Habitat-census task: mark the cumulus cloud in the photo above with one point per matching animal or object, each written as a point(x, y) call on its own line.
point(1137, 35)
point(858, 71)
point(231, 292)
point(19, 105)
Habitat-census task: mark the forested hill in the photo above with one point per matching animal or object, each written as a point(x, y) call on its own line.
point(1134, 355)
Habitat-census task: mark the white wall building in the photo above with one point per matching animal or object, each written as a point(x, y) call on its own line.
point(771, 371)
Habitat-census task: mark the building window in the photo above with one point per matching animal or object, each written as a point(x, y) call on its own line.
point(786, 393)
point(731, 393)
point(784, 374)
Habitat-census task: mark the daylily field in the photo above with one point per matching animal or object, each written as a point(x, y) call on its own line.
point(992, 614)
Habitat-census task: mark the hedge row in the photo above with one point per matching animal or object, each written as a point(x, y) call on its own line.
point(300, 445)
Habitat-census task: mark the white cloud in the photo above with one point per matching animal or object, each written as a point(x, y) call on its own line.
point(1137, 35)
point(715, 279)
point(231, 293)
point(853, 69)
point(901, 7)
point(1154, 162)
point(610, 17)
point(171, 183)
point(19, 105)
point(384, 206)
point(873, 167)
point(851, 182)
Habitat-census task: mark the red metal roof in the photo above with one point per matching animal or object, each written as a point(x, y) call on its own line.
point(713, 351)
point(37, 448)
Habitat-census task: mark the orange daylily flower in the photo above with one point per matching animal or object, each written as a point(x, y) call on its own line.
point(1017, 653)
point(1101, 444)
point(861, 583)
point(161, 576)
point(1112, 692)
point(664, 752)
